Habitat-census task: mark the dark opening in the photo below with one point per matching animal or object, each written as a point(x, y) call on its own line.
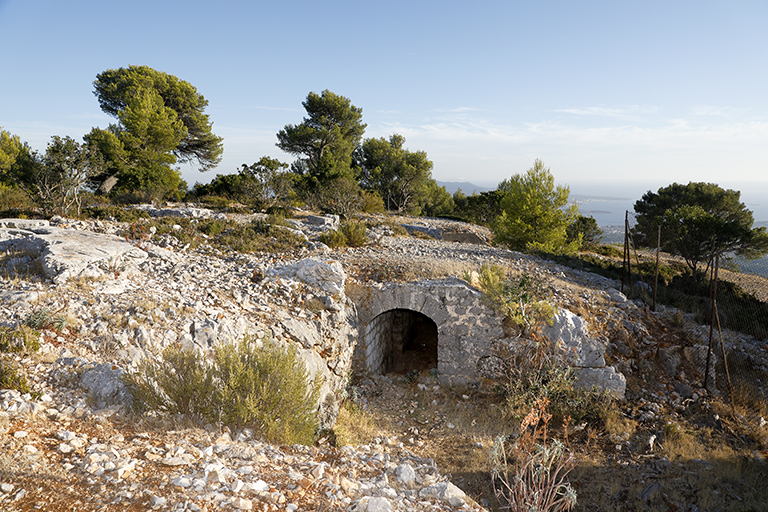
point(412, 343)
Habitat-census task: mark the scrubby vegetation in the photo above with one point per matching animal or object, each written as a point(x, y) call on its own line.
point(349, 234)
point(259, 385)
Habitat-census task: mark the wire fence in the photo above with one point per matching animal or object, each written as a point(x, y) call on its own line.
point(728, 309)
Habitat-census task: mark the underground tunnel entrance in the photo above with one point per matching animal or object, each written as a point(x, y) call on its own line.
point(401, 341)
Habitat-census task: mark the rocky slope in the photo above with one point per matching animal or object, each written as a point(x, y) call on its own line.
point(75, 447)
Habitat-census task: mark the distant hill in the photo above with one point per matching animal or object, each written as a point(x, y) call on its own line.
point(465, 186)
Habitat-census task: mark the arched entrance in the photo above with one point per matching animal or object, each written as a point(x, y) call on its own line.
point(402, 340)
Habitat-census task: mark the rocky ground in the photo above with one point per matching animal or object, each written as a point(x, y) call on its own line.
point(74, 445)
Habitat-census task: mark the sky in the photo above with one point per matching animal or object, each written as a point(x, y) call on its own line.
point(614, 97)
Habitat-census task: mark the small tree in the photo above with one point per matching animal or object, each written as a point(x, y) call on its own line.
point(535, 212)
point(54, 181)
point(584, 229)
point(402, 177)
point(272, 184)
point(339, 196)
point(325, 139)
point(10, 146)
point(699, 222)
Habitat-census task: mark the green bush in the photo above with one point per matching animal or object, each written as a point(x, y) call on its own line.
point(334, 238)
point(10, 378)
point(258, 236)
point(349, 234)
point(354, 232)
point(119, 213)
point(372, 202)
point(266, 388)
point(519, 298)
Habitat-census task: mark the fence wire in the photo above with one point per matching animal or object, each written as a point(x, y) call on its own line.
point(729, 309)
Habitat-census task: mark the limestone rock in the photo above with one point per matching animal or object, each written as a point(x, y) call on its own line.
point(605, 379)
point(571, 330)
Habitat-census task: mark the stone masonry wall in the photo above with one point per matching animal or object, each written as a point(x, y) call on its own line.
point(466, 325)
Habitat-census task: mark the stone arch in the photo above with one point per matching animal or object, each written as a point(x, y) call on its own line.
point(466, 327)
point(402, 340)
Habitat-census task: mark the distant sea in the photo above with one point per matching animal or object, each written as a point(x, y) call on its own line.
point(608, 202)
point(608, 209)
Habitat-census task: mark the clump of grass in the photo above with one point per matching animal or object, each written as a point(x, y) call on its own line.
point(267, 388)
point(118, 213)
point(19, 339)
point(45, 319)
point(354, 426)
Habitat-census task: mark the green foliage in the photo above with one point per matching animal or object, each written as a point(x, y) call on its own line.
point(483, 208)
point(699, 222)
point(10, 146)
point(270, 389)
point(258, 236)
point(272, 185)
point(14, 203)
point(19, 339)
point(334, 238)
point(349, 234)
point(44, 318)
point(371, 202)
point(519, 298)
point(161, 121)
point(437, 202)
point(174, 100)
point(535, 214)
point(224, 188)
point(325, 139)
point(262, 386)
point(585, 230)
point(339, 196)
point(10, 378)
point(114, 212)
point(54, 180)
point(400, 176)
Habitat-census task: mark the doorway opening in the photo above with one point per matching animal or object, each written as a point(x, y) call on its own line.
point(401, 341)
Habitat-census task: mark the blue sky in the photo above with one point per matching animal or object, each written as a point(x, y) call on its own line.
point(631, 95)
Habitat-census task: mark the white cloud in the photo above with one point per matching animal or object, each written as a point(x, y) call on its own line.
point(619, 112)
point(709, 110)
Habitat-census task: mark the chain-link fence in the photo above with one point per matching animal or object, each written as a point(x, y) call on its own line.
point(727, 305)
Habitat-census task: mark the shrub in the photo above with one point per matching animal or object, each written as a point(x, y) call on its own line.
point(529, 473)
point(372, 202)
point(333, 238)
point(258, 236)
point(520, 299)
point(351, 234)
point(354, 232)
point(266, 388)
point(10, 378)
point(118, 213)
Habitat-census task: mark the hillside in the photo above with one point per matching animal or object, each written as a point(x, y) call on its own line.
point(413, 443)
